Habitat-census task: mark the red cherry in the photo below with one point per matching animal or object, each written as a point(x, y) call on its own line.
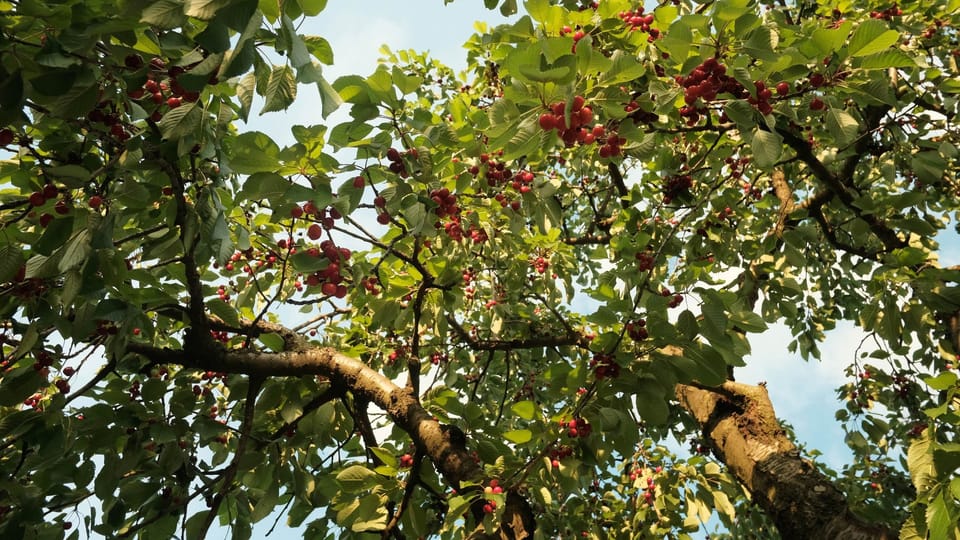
point(329, 289)
point(783, 88)
point(173, 102)
point(358, 182)
point(315, 231)
point(95, 201)
point(546, 122)
point(817, 104)
point(37, 198)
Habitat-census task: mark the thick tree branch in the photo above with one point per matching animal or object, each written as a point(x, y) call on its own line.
point(741, 427)
point(453, 461)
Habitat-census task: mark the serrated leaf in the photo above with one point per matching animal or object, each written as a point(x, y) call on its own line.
point(843, 126)
point(329, 97)
point(164, 14)
point(890, 58)
point(920, 463)
point(11, 260)
point(225, 312)
point(246, 87)
point(385, 456)
point(204, 9)
point(767, 148)
point(356, 478)
point(929, 166)
point(870, 37)
point(76, 251)
point(254, 152)
point(181, 121)
point(281, 89)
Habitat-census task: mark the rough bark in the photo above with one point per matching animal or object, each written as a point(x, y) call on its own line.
point(741, 428)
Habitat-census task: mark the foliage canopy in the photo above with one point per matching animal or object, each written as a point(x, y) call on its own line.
point(487, 301)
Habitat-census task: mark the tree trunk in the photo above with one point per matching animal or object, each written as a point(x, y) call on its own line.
point(740, 425)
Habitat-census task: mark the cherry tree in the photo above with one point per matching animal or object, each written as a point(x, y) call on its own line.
point(504, 303)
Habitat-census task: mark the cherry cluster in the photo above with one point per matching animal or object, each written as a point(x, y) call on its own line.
point(705, 82)
point(371, 284)
point(220, 335)
point(645, 260)
point(577, 36)
point(762, 99)
point(34, 403)
point(162, 87)
point(577, 427)
point(675, 299)
point(253, 261)
point(637, 330)
point(380, 203)
point(446, 203)
point(650, 491)
point(43, 362)
point(636, 20)
point(540, 264)
point(329, 278)
point(581, 115)
point(887, 14)
point(493, 488)
point(222, 294)
point(604, 366)
point(559, 452)
point(406, 461)
point(106, 114)
point(397, 164)
point(326, 217)
point(675, 186)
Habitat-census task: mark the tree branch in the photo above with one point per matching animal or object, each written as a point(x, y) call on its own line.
point(741, 428)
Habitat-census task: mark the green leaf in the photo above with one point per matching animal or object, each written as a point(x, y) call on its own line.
point(929, 166)
point(843, 126)
point(281, 89)
point(164, 14)
point(357, 478)
point(651, 402)
point(76, 251)
point(320, 48)
point(225, 311)
point(524, 409)
point(180, 122)
point(943, 381)
point(312, 8)
point(205, 9)
point(254, 152)
point(920, 463)
point(274, 342)
point(767, 148)
point(11, 261)
point(518, 436)
point(870, 37)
